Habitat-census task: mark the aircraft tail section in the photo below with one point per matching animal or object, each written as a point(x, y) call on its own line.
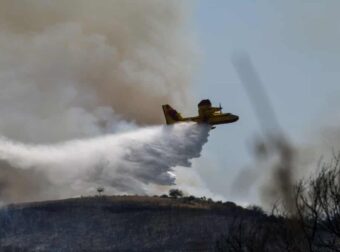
point(171, 115)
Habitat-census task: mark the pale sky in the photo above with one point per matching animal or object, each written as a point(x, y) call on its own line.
point(294, 46)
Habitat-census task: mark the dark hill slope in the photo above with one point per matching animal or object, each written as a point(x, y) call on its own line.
point(118, 223)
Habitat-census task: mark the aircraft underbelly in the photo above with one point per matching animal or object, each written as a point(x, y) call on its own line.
point(220, 120)
point(212, 120)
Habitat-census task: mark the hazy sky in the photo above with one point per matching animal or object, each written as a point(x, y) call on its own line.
point(294, 46)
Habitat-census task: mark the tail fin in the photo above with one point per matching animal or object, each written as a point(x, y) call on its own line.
point(171, 115)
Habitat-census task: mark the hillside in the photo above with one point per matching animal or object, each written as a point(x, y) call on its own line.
point(117, 223)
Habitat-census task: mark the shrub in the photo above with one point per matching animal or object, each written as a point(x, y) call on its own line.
point(229, 204)
point(175, 193)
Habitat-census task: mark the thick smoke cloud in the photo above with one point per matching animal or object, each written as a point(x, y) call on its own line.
point(81, 69)
point(121, 163)
point(72, 69)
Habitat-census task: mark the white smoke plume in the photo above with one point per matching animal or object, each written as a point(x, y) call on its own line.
point(123, 163)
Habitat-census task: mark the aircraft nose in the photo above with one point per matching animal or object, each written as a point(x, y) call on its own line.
point(235, 118)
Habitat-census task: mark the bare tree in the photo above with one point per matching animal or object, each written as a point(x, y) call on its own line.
point(318, 208)
point(313, 226)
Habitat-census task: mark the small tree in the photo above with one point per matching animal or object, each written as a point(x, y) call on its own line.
point(100, 190)
point(175, 193)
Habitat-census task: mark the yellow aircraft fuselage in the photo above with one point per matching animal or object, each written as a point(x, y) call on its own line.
point(206, 114)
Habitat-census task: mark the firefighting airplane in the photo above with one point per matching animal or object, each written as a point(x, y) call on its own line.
point(206, 114)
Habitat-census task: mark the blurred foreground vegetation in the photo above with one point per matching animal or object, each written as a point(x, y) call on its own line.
point(312, 225)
